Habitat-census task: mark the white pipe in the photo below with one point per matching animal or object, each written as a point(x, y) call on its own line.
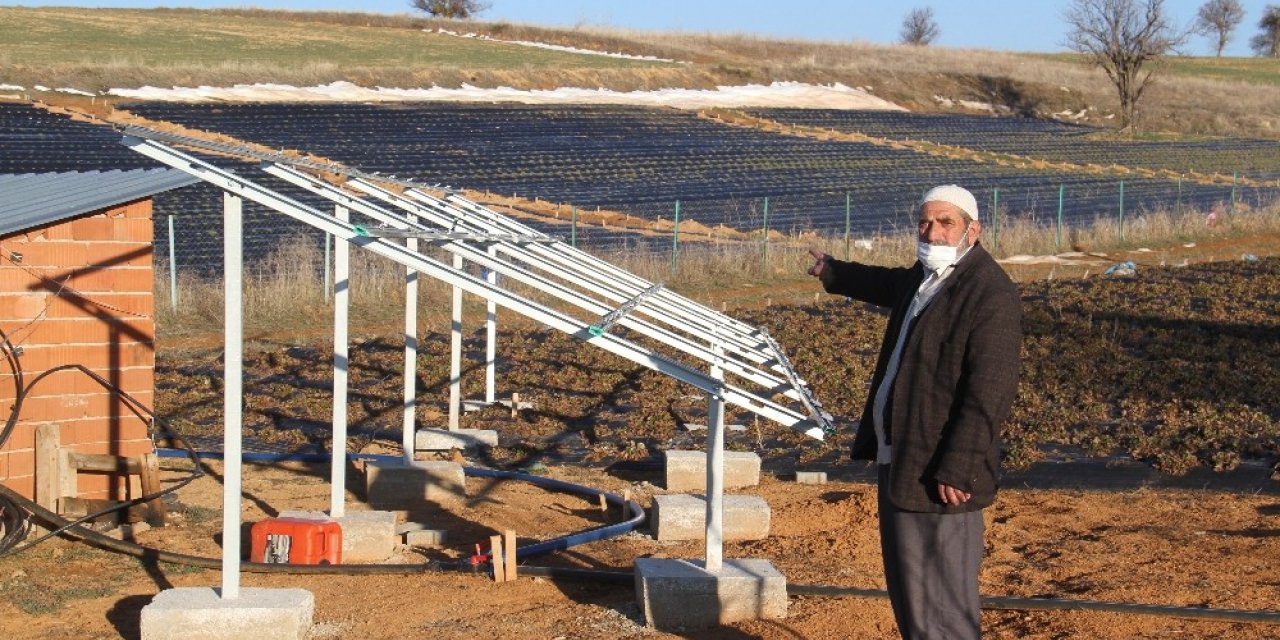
point(491, 339)
point(173, 270)
point(408, 443)
point(233, 388)
point(455, 354)
point(341, 363)
point(715, 473)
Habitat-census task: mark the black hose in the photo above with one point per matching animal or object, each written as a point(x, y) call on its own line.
point(12, 516)
point(1058, 604)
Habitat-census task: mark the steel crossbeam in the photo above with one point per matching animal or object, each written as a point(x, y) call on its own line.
point(612, 317)
point(386, 232)
point(772, 384)
point(810, 403)
point(617, 284)
point(531, 256)
point(235, 184)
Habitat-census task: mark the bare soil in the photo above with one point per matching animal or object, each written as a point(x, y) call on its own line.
point(1066, 527)
point(1078, 532)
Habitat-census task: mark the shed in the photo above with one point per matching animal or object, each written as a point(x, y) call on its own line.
point(76, 282)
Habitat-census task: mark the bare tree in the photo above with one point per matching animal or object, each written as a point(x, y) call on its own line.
point(1219, 18)
point(1127, 39)
point(919, 28)
point(450, 9)
point(1267, 43)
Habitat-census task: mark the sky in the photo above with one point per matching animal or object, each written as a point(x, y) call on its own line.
point(1011, 25)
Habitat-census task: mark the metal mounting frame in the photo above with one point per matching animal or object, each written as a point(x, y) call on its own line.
point(503, 247)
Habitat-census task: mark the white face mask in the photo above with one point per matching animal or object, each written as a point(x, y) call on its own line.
point(936, 257)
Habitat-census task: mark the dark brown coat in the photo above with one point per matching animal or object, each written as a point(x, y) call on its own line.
point(956, 382)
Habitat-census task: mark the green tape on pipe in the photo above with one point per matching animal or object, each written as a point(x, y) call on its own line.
point(360, 230)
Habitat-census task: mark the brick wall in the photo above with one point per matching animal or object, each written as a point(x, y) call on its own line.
point(81, 294)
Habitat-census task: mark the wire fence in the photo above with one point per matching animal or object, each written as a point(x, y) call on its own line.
point(189, 222)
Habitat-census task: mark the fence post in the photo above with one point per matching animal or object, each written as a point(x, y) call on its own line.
point(173, 270)
point(1058, 242)
point(764, 242)
point(675, 241)
point(1122, 211)
point(995, 219)
point(573, 228)
point(1178, 204)
point(1235, 178)
point(328, 277)
point(846, 226)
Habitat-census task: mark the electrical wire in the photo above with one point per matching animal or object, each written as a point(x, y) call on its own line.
point(14, 516)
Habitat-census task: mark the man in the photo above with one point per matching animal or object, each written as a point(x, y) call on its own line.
point(944, 383)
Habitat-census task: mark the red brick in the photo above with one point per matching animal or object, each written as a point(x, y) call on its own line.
point(22, 307)
point(96, 305)
point(22, 463)
point(97, 485)
point(37, 358)
point(118, 254)
point(23, 436)
point(103, 430)
point(114, 279)
point(4, 465)
point(13, 280)
point(93, 332)
point(62, 231)
point(93, 228)
point(133, 229)
point(23, 485)
point(135, 448)
point(140, 209)
point(64, 254)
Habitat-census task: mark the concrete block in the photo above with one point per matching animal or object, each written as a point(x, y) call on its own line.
point(811, 477)
point(444, 440)
point(684, 517)
point(680, 595)
point(200, 613)
point(367, 536)
point(400, 486)
point(420, 535)
point(687, 470)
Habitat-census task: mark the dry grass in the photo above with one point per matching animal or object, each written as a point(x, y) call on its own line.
point(1193, 96)
point(285, 293)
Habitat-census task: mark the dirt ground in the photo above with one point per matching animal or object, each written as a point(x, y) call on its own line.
point(1086, 531)
point(1068, 528)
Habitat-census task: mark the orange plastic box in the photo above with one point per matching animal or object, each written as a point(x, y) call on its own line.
point(296, 541)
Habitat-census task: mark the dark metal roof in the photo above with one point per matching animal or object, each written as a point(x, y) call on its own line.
point(37, 199)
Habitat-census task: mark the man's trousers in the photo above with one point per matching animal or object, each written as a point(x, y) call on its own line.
point(931, 564)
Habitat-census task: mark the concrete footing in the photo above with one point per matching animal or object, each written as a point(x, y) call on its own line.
point(367, 536)
point(416, 534)
point(444, 439)
point(200, 613)
point(397, 485)
point(687, 470)
point(811, 477)
point(680, 595)
point(684, 517)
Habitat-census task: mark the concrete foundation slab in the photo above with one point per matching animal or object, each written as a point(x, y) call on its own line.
point(811, 477)
point(680, 595)
point(687, 470)
point(200, 613)
point(444, 439)
point(367, 536)
point(396, 485)
point(684, 517)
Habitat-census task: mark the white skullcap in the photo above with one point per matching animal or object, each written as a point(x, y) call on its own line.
point(953, 195)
